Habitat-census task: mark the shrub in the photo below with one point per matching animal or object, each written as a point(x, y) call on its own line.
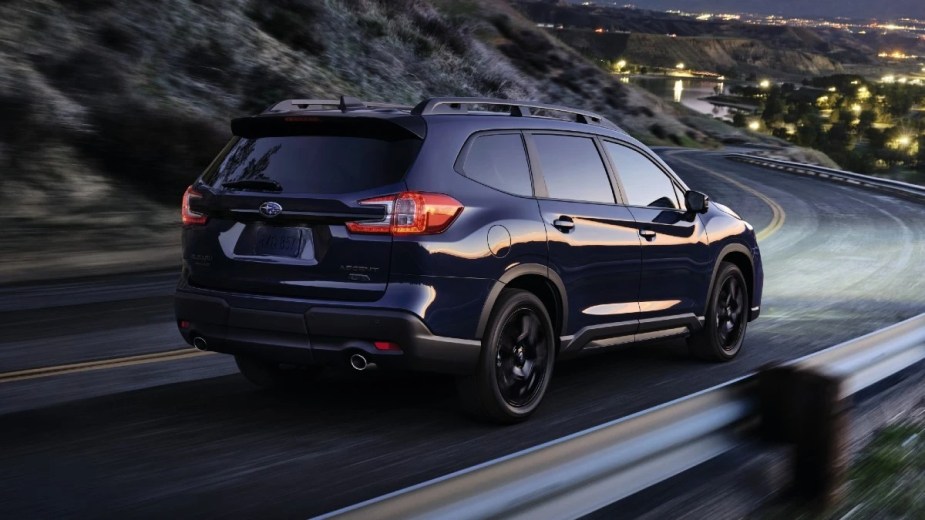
point(289, 21)
point(263, 87)
point(17, 108)
point(209, 61)
point(85, 71)
point(115, 36)
point(658, 131)
point(157, 150)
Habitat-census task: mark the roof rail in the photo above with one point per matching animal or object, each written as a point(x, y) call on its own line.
point(459, 105)
point(344, 104)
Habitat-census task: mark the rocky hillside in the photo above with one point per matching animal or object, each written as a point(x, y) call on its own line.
point(732, 56)
point(111, 108)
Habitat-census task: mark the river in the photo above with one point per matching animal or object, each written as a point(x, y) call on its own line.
point(687, 91)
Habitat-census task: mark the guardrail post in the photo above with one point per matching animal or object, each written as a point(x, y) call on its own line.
point(803, 408)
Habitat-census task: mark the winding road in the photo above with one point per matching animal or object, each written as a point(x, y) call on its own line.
point(104, 412)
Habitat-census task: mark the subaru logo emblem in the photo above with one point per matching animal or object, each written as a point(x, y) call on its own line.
point(270, 209)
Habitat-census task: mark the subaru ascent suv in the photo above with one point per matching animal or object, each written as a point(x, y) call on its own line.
point(482, 238)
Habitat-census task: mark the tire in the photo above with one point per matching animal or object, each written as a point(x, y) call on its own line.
point(518, 353)
point(723, 330)
point(271, 375)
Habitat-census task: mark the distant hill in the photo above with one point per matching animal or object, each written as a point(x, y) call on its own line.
point(818, 8)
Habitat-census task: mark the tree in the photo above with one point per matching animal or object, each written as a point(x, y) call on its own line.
point(739, 120)
point(808, 132)
point(920, 157)
point(866, 120)
point(773, 107)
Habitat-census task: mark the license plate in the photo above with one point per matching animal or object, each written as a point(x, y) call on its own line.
point(279, 241)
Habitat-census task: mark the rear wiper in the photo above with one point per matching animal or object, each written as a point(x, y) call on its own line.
point(254, 184)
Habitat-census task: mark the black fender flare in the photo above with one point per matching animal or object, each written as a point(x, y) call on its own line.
point(509, 276)
point(734, 247)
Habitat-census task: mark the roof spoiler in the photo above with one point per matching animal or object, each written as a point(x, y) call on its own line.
point(344, 104)
point(373, 126)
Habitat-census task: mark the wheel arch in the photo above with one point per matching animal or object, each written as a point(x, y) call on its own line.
point(538, 280)
point(740, 256)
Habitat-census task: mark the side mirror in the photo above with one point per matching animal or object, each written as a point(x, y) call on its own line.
point(696, 202)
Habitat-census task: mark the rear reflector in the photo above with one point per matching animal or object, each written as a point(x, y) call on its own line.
point(410, 213)
point(190, 217)
point(386, 345)
point(183, 324)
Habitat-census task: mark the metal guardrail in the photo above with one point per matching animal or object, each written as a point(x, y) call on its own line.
point(863, 362)
point(589, 470)
point(583, 472)
point(893, 187)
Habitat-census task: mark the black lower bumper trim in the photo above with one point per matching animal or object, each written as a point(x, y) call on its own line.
point(324, 335)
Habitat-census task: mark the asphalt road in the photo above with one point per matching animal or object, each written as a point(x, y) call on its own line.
point(189, 436)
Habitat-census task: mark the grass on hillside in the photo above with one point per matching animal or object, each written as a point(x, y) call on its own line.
point(887, 481)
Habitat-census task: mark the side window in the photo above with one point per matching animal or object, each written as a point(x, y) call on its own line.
point(644, 182)
point(573, 169)
point(500, 161)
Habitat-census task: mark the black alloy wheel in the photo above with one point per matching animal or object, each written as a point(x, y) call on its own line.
point(730, 313)
point(518, 353)
point(522, 355)
point(727, 317)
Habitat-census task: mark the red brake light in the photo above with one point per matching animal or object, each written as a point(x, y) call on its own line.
point(387, 345)
point(190, 217)
point(410, 213)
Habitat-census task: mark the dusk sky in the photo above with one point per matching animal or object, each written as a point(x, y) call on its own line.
point(814, 8)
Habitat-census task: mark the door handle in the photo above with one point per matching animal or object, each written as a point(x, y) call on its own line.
point(564, 224)
point(647, 234)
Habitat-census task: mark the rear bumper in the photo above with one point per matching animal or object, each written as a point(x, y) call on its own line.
point(321, 335)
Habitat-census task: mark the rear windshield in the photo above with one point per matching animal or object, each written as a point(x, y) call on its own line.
point(316, 164)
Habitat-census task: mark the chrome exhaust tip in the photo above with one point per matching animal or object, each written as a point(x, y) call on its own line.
point(200, 343)
point(359, 362)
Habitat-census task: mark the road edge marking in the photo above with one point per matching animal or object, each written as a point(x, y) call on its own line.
point(86, 366)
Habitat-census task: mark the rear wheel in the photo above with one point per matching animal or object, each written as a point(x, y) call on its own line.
point(727, 317)
point(268, 374)
point(518, 352)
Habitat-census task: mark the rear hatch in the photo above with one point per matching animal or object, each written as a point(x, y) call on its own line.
point(277, 200)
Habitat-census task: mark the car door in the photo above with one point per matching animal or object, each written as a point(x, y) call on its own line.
point(676, 263)
point(593, 244)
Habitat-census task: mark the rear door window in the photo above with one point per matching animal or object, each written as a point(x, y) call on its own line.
point(499, 161)
point(316, 164)
point(573, 168)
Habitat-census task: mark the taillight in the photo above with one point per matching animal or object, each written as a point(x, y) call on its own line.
point(190, 217)
point(410, 213)
point(376, 227)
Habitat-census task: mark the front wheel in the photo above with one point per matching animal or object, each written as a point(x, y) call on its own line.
point(727, 317)
point(518, 351)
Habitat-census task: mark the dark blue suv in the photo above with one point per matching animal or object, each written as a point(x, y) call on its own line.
point(481, 238)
